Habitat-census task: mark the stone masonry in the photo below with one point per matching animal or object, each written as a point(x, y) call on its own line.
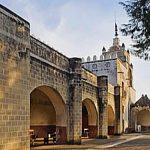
point(14, 81)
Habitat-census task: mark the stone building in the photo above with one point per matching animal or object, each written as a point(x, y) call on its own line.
point(140, 113)
point(115, 64)
point(43, 90)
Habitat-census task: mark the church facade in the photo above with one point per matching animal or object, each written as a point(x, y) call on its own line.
point(115, 64)
point(46, 92)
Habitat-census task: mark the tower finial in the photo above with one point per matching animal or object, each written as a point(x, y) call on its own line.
point(116, 39)
point(116, 30)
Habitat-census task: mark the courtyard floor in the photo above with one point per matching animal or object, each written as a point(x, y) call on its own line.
point(124, 142)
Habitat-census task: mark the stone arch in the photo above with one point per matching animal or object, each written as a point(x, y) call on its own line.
point(111, 120)
point(143, 119)
point(48, 107)
point(89, 108)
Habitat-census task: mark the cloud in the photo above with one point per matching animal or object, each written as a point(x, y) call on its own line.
point(79, 28)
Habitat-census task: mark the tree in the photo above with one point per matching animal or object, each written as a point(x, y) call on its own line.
point(138, 26)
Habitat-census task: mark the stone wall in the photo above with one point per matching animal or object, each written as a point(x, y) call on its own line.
point(89, 86)
point(14, 83)
point(47, 71)
point(111, 99)
point(47, 53)
point(125, 81)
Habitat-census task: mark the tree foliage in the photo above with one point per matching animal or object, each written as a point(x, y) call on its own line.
point(138, 26)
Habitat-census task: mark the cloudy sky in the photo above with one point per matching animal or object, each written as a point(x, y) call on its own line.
point(80, 28)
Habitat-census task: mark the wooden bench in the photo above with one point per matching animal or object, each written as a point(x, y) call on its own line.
point(38, 140)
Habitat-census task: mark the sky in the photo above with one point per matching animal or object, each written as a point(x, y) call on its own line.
point(80, 28)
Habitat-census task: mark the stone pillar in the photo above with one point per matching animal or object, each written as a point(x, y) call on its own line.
point(102, 83)
point(133, 118)
point(129, 114)
point(136, 125)
point(75, 102)
point(118, 111)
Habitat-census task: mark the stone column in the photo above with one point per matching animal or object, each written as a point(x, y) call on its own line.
point(133, 118)
point(102, 83)
point(75, 102)
point(118, 111)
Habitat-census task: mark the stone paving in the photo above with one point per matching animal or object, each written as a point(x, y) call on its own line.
point(124, 142)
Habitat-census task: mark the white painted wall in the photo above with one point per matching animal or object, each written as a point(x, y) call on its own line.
point(143, 118)
point(107, 67)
